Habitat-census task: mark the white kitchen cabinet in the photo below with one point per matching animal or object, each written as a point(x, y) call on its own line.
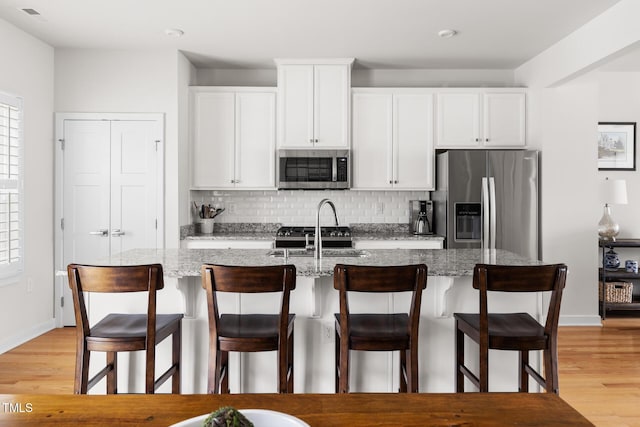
point(233, 138)
point(392, 139)
point(408, 243)
point(226, 244)
point(480, 119)
point(313, 103)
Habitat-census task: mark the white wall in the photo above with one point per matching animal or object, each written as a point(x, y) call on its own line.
point(127, 81)
point(363, 77)
point(431, 78)
point(27, 71)
point(619, 101)
point(566, 121)
point(187, 76)
point(565, 94)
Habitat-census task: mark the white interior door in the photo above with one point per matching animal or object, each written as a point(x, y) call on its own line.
point(134, 210)
point(109, 192)
point(86, 194)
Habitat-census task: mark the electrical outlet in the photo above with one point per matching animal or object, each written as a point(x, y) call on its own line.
point(232, 208)
point(327, 332)
point(379, 208)
point(29, 285)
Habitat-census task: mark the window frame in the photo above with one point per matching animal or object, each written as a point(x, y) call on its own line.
point(9, 272)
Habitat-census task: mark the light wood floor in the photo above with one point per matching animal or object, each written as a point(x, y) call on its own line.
point(599, 369)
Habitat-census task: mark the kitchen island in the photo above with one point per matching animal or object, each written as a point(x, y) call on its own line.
point(314, 301)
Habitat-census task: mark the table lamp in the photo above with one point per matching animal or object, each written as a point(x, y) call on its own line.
point(614, 193)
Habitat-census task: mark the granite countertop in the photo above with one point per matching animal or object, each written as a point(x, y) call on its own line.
point(179, 263)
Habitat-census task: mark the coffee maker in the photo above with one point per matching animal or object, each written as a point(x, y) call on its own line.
point(421, 216)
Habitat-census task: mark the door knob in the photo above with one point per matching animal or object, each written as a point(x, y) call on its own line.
point(117, 233)
point(99, 233)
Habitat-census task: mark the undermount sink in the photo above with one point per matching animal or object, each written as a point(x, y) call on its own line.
point(326, 253)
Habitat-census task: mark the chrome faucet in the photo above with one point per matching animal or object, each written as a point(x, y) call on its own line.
point(317, 241)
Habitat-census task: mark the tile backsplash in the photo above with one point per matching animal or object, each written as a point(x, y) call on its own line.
point(296, 207)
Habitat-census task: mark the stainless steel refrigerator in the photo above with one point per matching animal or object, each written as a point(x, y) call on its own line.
point(488, 199)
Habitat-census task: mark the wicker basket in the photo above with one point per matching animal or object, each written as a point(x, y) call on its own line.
point(620, 292)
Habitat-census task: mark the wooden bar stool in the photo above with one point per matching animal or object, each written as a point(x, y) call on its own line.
point(122, 332)
point(512, 331)
point(249, 332)
point(379, 332)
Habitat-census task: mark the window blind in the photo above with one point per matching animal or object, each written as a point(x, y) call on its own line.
point(11, 230)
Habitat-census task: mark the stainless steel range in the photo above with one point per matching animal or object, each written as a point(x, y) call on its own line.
point(299, 237)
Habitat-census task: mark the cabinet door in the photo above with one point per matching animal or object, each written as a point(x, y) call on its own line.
point(372, 141)
point(458, 120)
point(295, 106)
point(413, 142)
point(213, 140)
point(331, 106)
point(255, 140)
point(504, 119)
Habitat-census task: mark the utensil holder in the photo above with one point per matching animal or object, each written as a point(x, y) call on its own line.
point(206, 225)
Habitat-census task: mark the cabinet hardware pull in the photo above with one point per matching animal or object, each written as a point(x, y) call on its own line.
point(117, 233)
point(99, 233)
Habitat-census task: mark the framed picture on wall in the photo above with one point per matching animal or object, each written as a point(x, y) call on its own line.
point(617, 146)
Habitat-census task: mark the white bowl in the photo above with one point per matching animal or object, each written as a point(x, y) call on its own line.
point(259, 418)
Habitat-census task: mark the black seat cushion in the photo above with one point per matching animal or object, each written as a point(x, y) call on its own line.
point(251, 325)
point(509, 331)
point(378, 331)
point(128, 326)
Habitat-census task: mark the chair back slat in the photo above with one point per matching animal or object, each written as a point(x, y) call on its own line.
point(250, 279)
point(516, 278)
point(131, 278)
point(380, 278)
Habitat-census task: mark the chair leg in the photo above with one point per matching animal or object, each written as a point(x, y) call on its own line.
point(404, 371)
point(551, 369)
point(283, 367)
point(176, 359)
point(82, 369)
point(150, 371)
point(344, 366)
point(337, 362)
point(215, 372)
point(224, 372)
point(522, 372)
point(112, 375)
point(484, 370)
point(412, 369)
point(459, 359)
point(290, 364)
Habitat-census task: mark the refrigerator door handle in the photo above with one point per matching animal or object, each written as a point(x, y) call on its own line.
point(492, 210)
point(485, 214)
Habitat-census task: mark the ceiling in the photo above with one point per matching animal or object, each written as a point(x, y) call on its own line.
point(381, 34)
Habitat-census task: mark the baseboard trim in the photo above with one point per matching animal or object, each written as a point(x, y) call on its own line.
point(26, 335)
point(573, 320)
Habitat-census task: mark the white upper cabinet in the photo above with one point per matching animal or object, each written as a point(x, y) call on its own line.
point(233, 138)
point(480, 119)
point(392, 139)
point(313, 103)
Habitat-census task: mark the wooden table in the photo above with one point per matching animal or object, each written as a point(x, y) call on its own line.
point(423, 409)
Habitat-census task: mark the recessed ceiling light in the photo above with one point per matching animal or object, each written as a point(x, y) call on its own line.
point(445, 34)
point(174, 32)
point(31, 12)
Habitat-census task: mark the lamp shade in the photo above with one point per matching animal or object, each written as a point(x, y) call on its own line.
point(615, 191)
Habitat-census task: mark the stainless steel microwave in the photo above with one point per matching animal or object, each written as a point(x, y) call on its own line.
point(305, 169)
